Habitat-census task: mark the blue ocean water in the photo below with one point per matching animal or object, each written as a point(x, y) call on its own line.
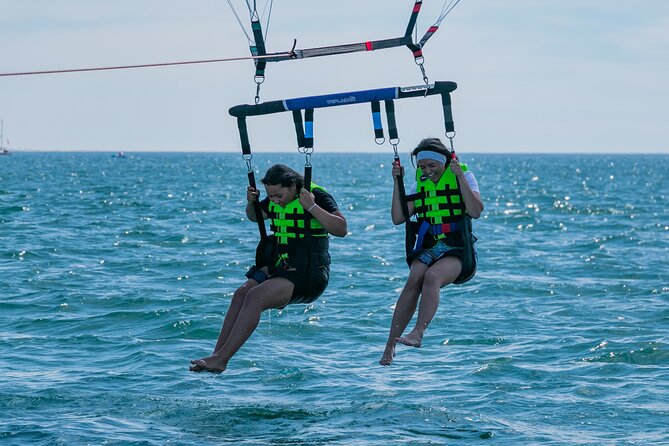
point(115, 272)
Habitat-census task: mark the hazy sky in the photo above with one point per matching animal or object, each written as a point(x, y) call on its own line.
point(533, 75)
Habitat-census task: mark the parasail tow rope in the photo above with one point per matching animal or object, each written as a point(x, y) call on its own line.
point(285, 55)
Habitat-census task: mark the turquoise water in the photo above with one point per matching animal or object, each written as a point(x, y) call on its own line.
point(117, 272)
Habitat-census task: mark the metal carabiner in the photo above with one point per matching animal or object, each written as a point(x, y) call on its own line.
point(258, 80)
point(247, 159)
point(420, 61)
point(450, 136)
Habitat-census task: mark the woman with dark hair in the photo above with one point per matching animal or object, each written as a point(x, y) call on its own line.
point(445, 196)
point(294, 266)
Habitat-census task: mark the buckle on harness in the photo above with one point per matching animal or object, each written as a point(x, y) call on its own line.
point(281, 262)
point(445, 228)
point(426, 228)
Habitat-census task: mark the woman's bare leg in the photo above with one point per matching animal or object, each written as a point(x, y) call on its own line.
point(230, 318)
point(272, 293)
point(404, 310)
point(443, 272)
point(233, 311)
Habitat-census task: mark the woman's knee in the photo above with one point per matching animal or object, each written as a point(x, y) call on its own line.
point(241, 292)
point(431, 279)
point(248, 293)
point(261, 298)
point(253, 300)
point(414, 280)
point(441, 277)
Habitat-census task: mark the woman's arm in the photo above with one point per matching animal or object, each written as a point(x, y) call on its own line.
point(473, 202)
point(333, 222)
point(251, 196)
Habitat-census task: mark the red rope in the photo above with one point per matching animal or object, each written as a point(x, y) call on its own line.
point(125, 67)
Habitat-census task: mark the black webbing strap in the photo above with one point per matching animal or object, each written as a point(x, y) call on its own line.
point(409, 235)
point(429, 33)
point(390, 117)
point(309, 129)
point(260, 49)
point(307, 215)
point(449, 125)
point(414, 16)
point(308, 149)
point(307, 177)
point(246, 151)
point(305, 140)
point(415, 48)
point(393, 137)
point(376, 120)
point(243, 135)
point(256, 207)
point(299, 127)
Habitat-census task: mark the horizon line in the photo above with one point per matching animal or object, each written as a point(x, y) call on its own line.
point(355, 152)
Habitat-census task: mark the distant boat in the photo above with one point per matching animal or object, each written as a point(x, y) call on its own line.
point(119, 155)
point(3, 150)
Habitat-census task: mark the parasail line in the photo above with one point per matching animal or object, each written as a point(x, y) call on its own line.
point(288, 55)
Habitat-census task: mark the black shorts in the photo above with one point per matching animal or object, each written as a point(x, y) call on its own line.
point(308, 285)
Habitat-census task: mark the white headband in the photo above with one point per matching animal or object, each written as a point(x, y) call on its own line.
point(430, 155)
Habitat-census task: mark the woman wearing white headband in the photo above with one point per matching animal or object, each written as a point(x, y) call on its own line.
point(445, 190)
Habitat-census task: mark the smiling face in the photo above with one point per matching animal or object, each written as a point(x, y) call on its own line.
point(281, 195)
point(432, 169)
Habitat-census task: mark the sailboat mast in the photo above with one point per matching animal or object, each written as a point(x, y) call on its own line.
point(2, 134)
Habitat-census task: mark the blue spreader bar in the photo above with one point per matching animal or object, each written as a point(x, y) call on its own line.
point(333, 100)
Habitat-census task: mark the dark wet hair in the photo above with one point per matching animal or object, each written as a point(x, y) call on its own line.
point(282, 175)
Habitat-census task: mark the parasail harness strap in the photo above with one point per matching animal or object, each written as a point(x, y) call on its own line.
point(449, 126)
point(305, 145)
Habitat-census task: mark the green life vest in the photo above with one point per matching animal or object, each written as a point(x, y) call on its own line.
point(288, 222)
point(438, 203)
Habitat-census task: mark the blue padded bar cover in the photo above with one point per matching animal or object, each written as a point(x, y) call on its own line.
point(376, 119)
point(332, 100)
point(309, 128)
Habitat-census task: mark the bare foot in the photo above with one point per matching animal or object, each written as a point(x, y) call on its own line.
point(413, 339)
point(195, 366)
point(213, 364)
point(388, 355)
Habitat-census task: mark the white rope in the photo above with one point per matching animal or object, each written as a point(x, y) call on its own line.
point(269, 15)
point(446, 9)
point(234, 11)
